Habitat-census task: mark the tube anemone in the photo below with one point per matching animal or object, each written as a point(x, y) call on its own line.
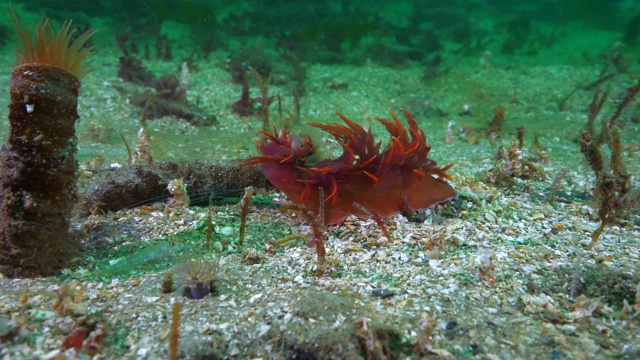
point(37, 163)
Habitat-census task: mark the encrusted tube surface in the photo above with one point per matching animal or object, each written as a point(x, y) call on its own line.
point(38, 172)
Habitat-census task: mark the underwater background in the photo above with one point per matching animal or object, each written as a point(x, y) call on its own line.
point(503, 89)
point(433, 58)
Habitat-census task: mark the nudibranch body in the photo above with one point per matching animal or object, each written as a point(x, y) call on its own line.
point(363, 181)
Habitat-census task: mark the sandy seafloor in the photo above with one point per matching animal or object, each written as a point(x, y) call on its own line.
point(492, 280)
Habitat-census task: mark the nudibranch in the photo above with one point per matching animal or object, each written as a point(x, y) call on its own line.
point(363, 181)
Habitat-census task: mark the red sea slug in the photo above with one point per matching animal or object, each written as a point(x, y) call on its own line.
point(362, 181)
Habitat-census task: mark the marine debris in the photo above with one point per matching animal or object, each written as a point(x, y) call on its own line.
point(167, 92)
point(136, 185)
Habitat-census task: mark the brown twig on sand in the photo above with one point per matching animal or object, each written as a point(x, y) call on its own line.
point(613, 190)
point(173, 346)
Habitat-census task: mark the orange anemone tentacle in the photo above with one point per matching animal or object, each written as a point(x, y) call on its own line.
point(322, 170)
point(334, 192)
point(287, 159)
point(346, 147)
point(413, 146)
point(263, 158)
point(307, 170)
point(420, 173)
point(398, 124)
point(352, 135)
point(305, 194)
point(368, 161)
point(396, 140)
point(447, 167)
point(357, 128)
point(408, 115)
point(270, 136)
point(441, 172)
point(372, 177)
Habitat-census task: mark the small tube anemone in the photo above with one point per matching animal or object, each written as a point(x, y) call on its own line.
point(201, 277)
point(57, 48)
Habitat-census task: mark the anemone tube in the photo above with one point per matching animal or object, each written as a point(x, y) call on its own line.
point(37, 163)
